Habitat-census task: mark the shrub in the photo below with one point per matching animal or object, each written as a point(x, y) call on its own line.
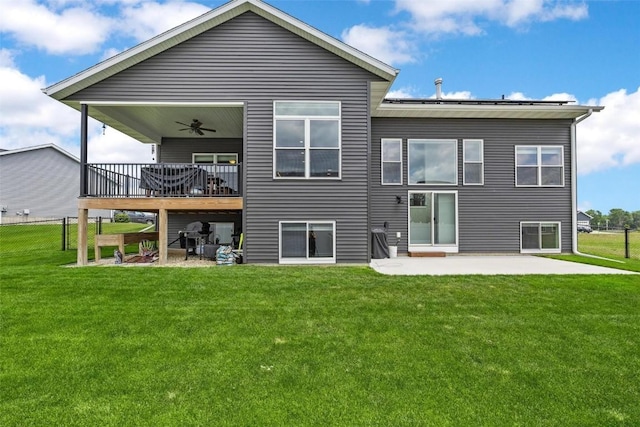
point(121, 217)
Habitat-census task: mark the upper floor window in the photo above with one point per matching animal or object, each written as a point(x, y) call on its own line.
point(307, 139)
point(473, 162)
point(539, 166)
point(433, 161)
point(392, 161)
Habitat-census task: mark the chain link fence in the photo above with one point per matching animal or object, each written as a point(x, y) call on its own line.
point(53, 233)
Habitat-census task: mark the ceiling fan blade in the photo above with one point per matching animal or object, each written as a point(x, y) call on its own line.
point(199, 131)
point(207, 129)
point(185, 129)
point(183, 124)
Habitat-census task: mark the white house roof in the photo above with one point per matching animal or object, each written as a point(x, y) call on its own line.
point(210, 20)
point(39, 147)
point(481, 109)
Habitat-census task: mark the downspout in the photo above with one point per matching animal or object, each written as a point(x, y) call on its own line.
point(574, 189)
point(574, 182)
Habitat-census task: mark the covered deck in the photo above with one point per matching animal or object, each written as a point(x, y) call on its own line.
point(160, 188)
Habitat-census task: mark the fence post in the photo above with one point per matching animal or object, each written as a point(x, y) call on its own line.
point(64, 234)
point(626, 242)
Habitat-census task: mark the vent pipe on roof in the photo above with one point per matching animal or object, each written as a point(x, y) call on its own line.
point(438, 83)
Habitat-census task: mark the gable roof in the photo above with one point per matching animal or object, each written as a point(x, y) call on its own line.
point(39, 147)
point(213, 19)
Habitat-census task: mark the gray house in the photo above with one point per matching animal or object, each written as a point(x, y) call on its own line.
point(40, 182)
point(584, 219)
point(267, 126)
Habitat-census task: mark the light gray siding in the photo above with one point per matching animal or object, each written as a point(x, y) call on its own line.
point(489, 215)
point(252, 60)
point(44, 181)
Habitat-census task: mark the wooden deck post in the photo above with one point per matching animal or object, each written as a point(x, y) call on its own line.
point(163, 237)
point(83, 255)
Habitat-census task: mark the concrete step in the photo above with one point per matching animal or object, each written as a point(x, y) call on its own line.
point(427, 254)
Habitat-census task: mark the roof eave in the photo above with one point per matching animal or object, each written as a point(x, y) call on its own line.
point(484, 111)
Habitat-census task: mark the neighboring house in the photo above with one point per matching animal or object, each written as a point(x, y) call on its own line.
point(584, 219)
point(41, 181)
point(308, 155)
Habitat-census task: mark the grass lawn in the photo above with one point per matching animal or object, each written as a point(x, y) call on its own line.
point(607, 245)
point(249, 345)
point(256, 345)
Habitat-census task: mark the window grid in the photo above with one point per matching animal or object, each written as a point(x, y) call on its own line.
point(469, 162)
point(393, 164)
point(328, 151)
point(540, 237)
point(307, 242)
point(539, 171)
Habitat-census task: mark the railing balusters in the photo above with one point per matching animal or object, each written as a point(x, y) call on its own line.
point(119, 180)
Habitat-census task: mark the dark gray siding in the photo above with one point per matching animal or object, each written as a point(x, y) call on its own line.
point(180, 150)
point(489, 215)
point(44, 180)
point(249, 59)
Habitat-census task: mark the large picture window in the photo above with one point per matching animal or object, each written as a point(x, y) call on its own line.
point(433, 161)
point(539, 166)
point(473, 161)
point(539, 237)
point(307, 242)
point(392, 161)
point(307, 139)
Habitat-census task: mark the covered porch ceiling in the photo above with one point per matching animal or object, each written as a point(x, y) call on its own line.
point(150, 122)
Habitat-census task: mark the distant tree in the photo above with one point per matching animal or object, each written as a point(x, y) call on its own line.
point(619, 218)
point(598, 220)
point(635, 220)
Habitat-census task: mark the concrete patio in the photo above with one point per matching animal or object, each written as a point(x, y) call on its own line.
point(485, 264)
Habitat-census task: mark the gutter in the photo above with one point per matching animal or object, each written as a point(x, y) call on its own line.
point(574, 190)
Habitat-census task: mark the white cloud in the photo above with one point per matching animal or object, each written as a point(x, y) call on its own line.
point(25, 107)
point(149, 19)
point(468, 16)
point(115, 147)
point(610, 138)
point(75, 30)
point(387, 45)
point(463, 94)
point(28, 118)
point(400, 93)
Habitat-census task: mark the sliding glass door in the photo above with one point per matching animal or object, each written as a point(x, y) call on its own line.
point(433, 221)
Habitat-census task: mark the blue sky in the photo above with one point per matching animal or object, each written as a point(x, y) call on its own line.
point(583, 51)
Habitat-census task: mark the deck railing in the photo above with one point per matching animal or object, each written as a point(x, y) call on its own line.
point(123, 180)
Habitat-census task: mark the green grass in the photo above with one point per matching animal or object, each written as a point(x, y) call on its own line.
point(35, 244)
point(607, 245)
point(255, 345)
point(251, 345)
point(610, 244)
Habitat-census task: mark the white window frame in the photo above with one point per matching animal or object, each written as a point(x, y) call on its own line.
point(466, 162)
point(307, 259)
point(540, 166)
point(540, 225)
point(215, 157)
point(453, 142)
point(383, 161)
point(307, 142)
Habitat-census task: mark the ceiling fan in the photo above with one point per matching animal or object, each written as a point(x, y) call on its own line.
point(195, 126)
